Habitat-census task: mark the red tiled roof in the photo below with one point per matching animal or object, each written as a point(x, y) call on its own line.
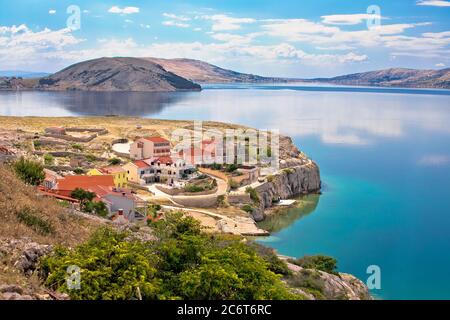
point(157, 139)
point(165, 160)
point(140, 164)
point(84, 182)
point(111, 169)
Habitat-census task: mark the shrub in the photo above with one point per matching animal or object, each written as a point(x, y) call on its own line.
point(253, 194)
point(319, 262)
point(91, 158)
point(41, 226)
point(37, 144)
point(231, 167)
point(247, 208)
point(48, 159)
point(112, 268)
point(221, 201)
point(193, 188)
point(29, 171)
point(288, 171)
point(78, 170)
point(270, 178)
point(183, 263)
point(114, 161)
point(77, 146)
point(233, 184)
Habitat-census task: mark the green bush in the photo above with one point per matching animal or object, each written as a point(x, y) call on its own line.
point(29, 171)
point(319, 262)
point(247, 208)
point(270, 178)
point(49, 159)
point(78, 170)
point(41, 226)
point(91, 157)
point(114, 161)
point(253, 194)
point(233, 184)
point(182, 263)
point(111, 268)
point(231, 167)
point(77, 146)
point(288, 171)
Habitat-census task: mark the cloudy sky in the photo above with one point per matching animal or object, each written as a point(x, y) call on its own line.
point(307, 38)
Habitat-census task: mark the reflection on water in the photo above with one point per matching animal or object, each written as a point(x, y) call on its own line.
point(86, 103)
point(285, 217)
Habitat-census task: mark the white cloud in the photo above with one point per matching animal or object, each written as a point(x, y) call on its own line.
point(433, 3)
point(434, 160)
point(176, 17)
point(52, 11)
point(349, 19)
point(124, 10)
point(222, 22)
point(440, 65)
point(145, 26)
point(172, 23)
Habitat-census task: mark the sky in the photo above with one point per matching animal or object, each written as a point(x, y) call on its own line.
point(289, 38)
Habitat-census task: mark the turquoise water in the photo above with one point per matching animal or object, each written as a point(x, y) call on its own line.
point(384, 156)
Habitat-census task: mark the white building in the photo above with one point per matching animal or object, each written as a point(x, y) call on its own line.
point(148, 147)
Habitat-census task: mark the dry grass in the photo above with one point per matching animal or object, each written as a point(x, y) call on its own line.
point(23, 213)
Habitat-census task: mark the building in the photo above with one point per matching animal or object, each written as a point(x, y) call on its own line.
point(148, 147)
point(51, 177)
point(65, 186)
point(120, 200)
point(164, 169)
point(120, 175)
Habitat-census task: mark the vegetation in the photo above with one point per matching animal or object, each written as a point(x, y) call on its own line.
point(49, 159)
point(202, 183)
point(91, 158)
point(221, 201)
point(247, 208)
point(216, 166)
point(77, 146)
point(288, 171)
point(87, 205)
point(37, 144)
point(114, 161)
point(78, 171)
point(29, 171)
point(231, 167)
point(35, 222)
point(319, 262)
point(270, 178)
point(233, 184)
point(183, 263)
point(253, 194)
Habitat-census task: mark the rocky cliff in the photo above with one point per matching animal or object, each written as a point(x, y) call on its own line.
point(288, 182)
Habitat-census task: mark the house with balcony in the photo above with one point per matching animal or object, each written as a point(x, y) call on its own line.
point(164, 169)
point(149, 147)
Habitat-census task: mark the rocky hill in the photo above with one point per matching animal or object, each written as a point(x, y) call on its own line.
point(203, 72)
point(395, 77)
point(116, 74)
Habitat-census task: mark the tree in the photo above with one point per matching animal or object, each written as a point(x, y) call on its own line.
point(29, 171)
point(97, 207)
point(84, 196)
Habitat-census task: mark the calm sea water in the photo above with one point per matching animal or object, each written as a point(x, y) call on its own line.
point(384, 156)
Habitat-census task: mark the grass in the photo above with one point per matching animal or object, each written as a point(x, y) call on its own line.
point(35, 222)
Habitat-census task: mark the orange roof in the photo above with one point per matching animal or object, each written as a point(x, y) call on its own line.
point(157, 139)
point(111, 169)
point(165, 160)
point(84, 182)
point(140, 164)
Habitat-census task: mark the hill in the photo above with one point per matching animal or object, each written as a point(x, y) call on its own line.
point(395, 77)
point(116, 74)
point(203, 72)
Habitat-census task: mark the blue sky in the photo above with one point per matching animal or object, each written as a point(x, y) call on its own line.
point(308, 38)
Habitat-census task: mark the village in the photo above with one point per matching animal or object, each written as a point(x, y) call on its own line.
point(134, 180)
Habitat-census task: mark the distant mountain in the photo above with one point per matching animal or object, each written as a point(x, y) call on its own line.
point(23, 74)
point(395, 77)
point(116, 74)
point(203, 72)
